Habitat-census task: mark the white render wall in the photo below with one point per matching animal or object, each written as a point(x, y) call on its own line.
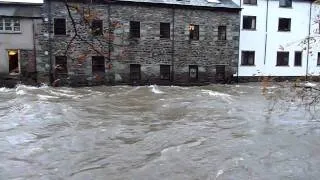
point(265, 63)
point(23, 40)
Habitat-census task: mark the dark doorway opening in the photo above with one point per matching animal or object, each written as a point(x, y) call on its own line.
point(220, 73)
point(13, 62)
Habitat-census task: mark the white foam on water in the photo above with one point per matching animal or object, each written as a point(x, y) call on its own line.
point(63, 94)
point(3, 89)
point(219, 173)
point(21, 138)
point(20, 92)
point(46, 97)
point(155, 89)
point(310, 84)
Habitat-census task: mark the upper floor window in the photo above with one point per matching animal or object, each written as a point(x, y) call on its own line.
point(164, 30)
point(193, 32)
point(97, 27)
point(134, 29)
point(285, 3)
point(284, 24)
point(251, 2)
point(249, 22)
point(222, 33)
point(9, 25)
point(60, 26)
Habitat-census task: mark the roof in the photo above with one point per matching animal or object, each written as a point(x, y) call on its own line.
point(196, 3)
point(20, 10)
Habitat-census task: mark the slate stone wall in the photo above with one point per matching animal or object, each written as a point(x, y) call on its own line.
point(150, 51)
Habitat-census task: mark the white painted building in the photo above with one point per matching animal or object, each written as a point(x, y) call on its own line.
point(271, 36)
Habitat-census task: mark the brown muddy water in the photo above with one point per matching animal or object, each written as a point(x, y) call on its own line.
point(153, 132)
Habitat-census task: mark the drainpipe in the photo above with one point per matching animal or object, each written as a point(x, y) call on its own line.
point(266, 36)
point(308, 49)
point(239, 44)
point(50, 41)
point(34, 69)
point(109, 40)
point(172, 54)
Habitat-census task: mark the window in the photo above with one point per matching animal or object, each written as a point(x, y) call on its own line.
point(298, 58)
point(98, 65)
point(164, 30)
point(282, 58)
point(251, 2)
point(249, 22)
point(284, 24)
point(193, 72)
point(60, 26)
point(318, 60)
point(193, 32)
point(97, 27)
point(61, 65)
point(222, 33)
point(135, 72)
point(285, 3)
point(165, 72)
point(134, 29)
point(247, 58)
point(9, 25)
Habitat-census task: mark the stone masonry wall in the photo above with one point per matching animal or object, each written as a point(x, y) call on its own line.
point(149, 50)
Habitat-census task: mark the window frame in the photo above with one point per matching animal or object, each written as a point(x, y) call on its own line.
point(194, 32)
point(165, 30)
point(95, 32)
point(12, 22)
point(222, 33)
point(247, 53)
point(164, 72)
point(135, 68)
point(135, 33)
point(286, 4)
point(64, 66)
point(250, 2)
point(96, 68)
point(196, 67)
point(65, 26)
point(281, 53)
point(295, 58)
point(251, 22)
point(289, 25)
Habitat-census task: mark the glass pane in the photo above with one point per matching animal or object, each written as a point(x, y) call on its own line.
point(17, 28)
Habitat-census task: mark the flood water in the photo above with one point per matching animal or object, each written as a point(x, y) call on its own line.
point(153, 132)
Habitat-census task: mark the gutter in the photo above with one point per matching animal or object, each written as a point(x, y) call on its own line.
point(266, 35)
point(50, 41)
point(173, 39)
point(308, 49)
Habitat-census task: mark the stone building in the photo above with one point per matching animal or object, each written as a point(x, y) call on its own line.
point(184, 42)
point(17, 50)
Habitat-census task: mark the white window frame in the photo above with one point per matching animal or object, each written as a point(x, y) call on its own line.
point(12, 22)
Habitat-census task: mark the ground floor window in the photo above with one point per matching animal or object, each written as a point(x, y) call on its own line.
point(98, 64)
point(165, 72)
point(298, 58)
point(283, 59)
point(13, 56)
point(247, 58)
point(61, 65)
point(193, 72)
point(318, 60)
point(135, 71)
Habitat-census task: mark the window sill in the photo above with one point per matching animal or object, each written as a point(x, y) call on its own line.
point(60, 35)
point(297, 66)
point(250, 4)
point(248, 29)
point(10, 32)
point(248, 65)
point(282, 66)
point(284, 31)
point(287, 7)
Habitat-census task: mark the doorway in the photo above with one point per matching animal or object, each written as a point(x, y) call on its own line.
point(220, 73)
point(13, 56)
